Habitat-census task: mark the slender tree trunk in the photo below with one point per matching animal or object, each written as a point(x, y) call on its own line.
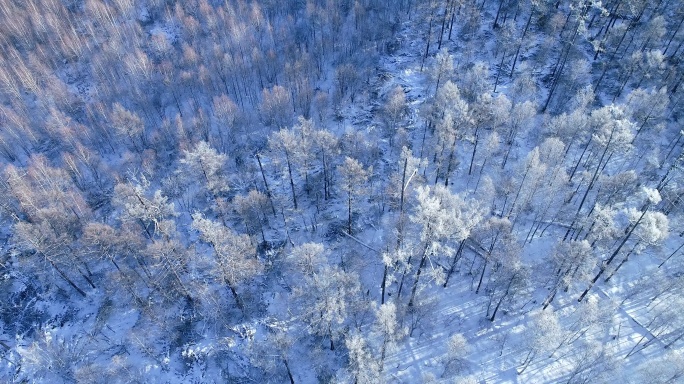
point(449, 164)
point(612, 256)
point(624, 260)
point(451, 23)
point(472, 157)
point(403, 276)
point(429, 36)
point(550, 298)
point(455, 260)
point(498, 73)
point(383, 284)
point(289, 171)
point(558, 71)
point(67, 279)
point(326, 182)
point(498, 13)
point(420, 270)
point(289, 373)
point(522, 39)
point(238, 301)
point(349, 212)
point(479, 283)
point(526, 363)
point(383, 351)
point(444, 17)
point(672, 254)
point(496, 309)
point(332, 343)
point(268, 190)
point(590, 186)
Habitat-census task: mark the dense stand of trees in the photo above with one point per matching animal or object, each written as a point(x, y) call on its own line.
point(254, 175)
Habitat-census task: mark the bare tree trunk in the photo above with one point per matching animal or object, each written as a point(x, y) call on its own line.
point(67, 279)
point(496, 309)
point(449, 163)
point(349, 213)
point(612, 256)
point(427, 44)
point(289, 373)
point(268, 190)
point(457, 257)
point(289, 171)
point(420, 270)
point(672, 254)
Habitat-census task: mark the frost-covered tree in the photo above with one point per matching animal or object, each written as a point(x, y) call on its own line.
point(648, 109)
point(668, 368)
point(397, 261)
point(124, 248)
point(56, 358)
point(49, 214)
point(253, 209)
point(388, 329)
point(155, 214)
point(308, 258)
point(656, 229)
point(325, 148)
point(444, 219)
point(363, 367)
point(521, 115)
point(305, 153)
point(475, 81)
point(453, 120)
point(228, 117)
point(544, 335)
point(326, 301)
point(458, 349)
point(531, 177)
point(349, 79)
point(442, 68)
point(395, 109)
point(612, 134)
point(152, 211)
point(205, 164)
point(571, 262)
point(509, 281)
point(353, 178)
point(129, 126)
point(284, 143)
point(235, 255)
point(493, 236)
point(652, 231)
point(276, 107)
point(171, 261)
point(398, 256)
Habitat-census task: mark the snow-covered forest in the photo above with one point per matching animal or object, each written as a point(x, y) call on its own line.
point(341, 191)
